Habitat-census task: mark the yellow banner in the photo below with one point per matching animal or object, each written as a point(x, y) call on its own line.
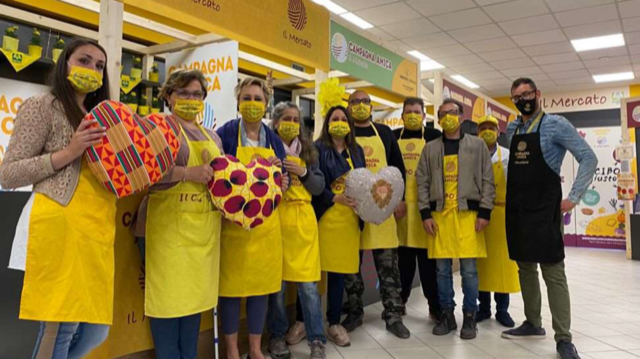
point(127, 83)
point(294, 29)
point(19, 60)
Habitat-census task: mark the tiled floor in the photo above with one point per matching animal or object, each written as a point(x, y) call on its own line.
point(605, 294)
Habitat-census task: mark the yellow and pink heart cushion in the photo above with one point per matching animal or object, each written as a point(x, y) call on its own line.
point(136, 152)
point(246, 195)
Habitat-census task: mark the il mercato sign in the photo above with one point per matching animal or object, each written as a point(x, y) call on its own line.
point(584, 100)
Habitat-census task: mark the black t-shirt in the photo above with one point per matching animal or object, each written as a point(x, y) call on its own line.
point(394, 156)
point(430, 134)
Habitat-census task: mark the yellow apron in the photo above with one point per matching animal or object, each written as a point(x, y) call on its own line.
point(251, 261)
point(69, 274)
point(299, 233)
point(183, 244)
point(339, 233)
point(384, 235)
point(410, 230)
point(498, 273)
point(456, 236)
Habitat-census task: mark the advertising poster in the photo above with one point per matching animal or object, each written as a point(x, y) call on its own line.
point(393, 119)
point(219, 64)
point(12, 95)
point(502, 115)
point(368, 61)
point(633, 114)
point(473, 105)
point(599, 220)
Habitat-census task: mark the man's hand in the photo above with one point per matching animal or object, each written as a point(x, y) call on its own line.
point(430, 226)
point(566, 206)
point(401, 210)
point(481, 224)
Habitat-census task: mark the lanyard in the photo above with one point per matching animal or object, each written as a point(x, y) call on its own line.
point(533, 124)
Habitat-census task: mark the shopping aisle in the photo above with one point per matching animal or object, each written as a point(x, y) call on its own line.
point(605, 294)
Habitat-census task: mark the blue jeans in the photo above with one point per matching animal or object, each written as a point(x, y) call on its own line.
point(68, 340)
point(312, 310)
point(469, 284)
point(176, 338)
point(335, 293)
point(502, 301)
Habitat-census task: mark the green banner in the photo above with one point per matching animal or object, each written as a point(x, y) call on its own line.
point(362, 58)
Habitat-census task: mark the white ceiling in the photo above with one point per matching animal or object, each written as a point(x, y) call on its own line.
point(493, 42)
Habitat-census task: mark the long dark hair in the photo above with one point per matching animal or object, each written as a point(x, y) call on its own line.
point(308, 153)
point(349, 140)
point(64, 92)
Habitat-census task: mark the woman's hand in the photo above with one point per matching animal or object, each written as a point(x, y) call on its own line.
point(199, 174)
point(345, 201)
point(286, 182)
point(275, 161)
point(84, 137)
point(294, 168)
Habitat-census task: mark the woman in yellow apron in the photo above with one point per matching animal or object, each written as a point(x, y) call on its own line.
point(179, 228)
point(339, 226)
point(412, 238)
point(496, 273)
point(299, 235)
point(65, 237)
point(251, 261)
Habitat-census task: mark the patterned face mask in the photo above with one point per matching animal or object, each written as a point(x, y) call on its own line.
point(490, 137)
point(361, 112)
point(339, 129)
point(288, 130)
point(412, 121)
point(188, 109)
point(252, 111)
point(450, 123)
point(84, 80)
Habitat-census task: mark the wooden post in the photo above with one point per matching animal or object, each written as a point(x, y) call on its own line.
point(437, 96)
point(110, 37)
point(321, 76)
point(147, 64)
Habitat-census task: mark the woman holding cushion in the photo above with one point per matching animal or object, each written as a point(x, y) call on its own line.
point(251, 261)
point(65, 236)
point(338, 225)
point(299, 235)
point(178, 228)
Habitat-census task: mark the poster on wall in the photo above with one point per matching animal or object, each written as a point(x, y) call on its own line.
point(393, 119)
point(503, 116)
point(368, 61)
point(633, 113)
point(473, 105)
point(12, 95)
point(598, 221)
point(219, 64)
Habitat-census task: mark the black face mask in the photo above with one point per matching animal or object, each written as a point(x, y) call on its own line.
point(527, 107)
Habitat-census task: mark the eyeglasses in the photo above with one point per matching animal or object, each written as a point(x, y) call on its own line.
point(184, 95)
point(450, 112)
point(527, 95)
point(357, 101)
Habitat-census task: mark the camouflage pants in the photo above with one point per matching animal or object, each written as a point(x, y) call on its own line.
point(386, 261)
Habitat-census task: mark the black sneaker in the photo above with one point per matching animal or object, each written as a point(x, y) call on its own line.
point(399, 330)
point(505, 319)
point(469, 328)
point(350, 323)
point(482, 315)
point(567, 350)
point(525, 331)
point(446, 323)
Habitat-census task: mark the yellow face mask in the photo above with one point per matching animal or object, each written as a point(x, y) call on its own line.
point(188, 110)
point(288, 130)
point(84, 80)
point(339, 129)
point(450, 123)
point(252, 111)
point(412, 121)
point(361, 112)
point(490, 137)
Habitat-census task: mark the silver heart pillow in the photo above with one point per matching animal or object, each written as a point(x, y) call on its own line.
point(378, 194)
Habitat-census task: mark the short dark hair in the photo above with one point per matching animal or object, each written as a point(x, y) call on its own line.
point(523, 81)
point(455, 102)
point(410, 101)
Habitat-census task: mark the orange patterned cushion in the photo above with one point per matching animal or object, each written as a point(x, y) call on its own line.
point(246, 195)
point(136, 152)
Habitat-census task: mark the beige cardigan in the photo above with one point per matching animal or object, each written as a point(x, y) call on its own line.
point(40, 129)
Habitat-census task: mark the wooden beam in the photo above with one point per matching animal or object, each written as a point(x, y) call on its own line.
point(287, 82)
point(110, 37)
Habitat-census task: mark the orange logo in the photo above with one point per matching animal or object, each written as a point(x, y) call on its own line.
point(368, 151)
point(450, 167)
point(297, 14)
point(410, 146)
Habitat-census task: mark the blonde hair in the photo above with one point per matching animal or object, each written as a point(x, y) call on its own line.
point(252, 81)
point(181, 78)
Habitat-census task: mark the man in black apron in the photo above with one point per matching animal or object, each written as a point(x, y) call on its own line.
point(534, 210)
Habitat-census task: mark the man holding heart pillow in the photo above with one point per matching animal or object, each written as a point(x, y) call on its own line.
point(455, 195)
point(381, 150)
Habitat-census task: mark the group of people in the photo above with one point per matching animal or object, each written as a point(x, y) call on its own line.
point(495, 209)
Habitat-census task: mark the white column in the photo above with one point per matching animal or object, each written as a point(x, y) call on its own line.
point(437, 96)
point(110, 37)
point(321, 76)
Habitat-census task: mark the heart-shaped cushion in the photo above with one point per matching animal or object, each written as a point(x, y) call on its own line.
point(377, 194)
point(246, 195)
point(136, 152)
